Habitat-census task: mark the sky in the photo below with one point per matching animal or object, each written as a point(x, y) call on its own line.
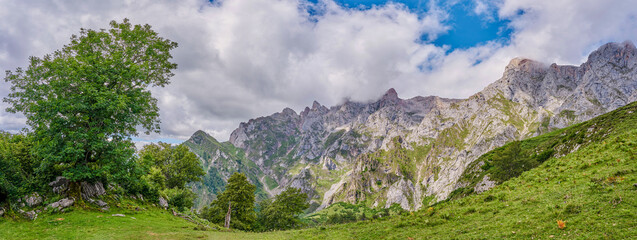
point(239, 60)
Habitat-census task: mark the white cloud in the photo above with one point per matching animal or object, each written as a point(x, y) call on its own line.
point(244, 59)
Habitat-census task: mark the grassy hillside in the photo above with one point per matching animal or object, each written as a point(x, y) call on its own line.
point(590, 188)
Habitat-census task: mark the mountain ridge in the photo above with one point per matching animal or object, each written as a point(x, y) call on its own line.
point(319, 148)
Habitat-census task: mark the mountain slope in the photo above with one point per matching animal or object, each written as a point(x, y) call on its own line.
point(421, 146)
point(219, 161)
point(591, 188)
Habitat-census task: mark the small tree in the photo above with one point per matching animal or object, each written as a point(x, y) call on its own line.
point(283, 213)
point(83, 102)
point(239, 197)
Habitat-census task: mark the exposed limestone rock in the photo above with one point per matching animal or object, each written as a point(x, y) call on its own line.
point(91, 190)
point(303, 181)
point(162, 202)
point(63, 203)
point(33, 199)
point(118, 215)
point(60, 185)
point(1, 212)
point(484, 185)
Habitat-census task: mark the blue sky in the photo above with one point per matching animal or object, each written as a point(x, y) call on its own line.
point(467, 28)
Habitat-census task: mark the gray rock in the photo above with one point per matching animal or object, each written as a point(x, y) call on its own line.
point(60, 185)
point(62, 203)
point(162, 202)
point(100, 203)
point(91, 190)
point(32, 200)
point(484, 185)
point(118, 215)
point(31, 215)
point(105, 209)
point(1, 212)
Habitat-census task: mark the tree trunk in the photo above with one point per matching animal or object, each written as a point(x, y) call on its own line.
point(227, 223)
point(75, 192)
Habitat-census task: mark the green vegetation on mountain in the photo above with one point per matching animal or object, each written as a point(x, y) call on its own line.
point(220, 160)
point(516, 157)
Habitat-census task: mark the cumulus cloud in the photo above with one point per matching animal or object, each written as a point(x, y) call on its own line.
point(243, 59)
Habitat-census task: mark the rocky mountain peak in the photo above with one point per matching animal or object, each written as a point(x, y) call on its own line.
point(316, 105)
point(288, 112)
point(390, 95)
point(620, 54)
point(524, 64)
point(199, 136)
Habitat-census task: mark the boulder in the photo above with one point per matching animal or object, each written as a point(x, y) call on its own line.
point(1, 212)
point(63, 203)
point(31, 215)
point(163, 203)
point(100, 203)
point(32, 200)
point(60, 185)
point(118, 215)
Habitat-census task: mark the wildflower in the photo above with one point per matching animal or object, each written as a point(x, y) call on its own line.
point(561, 224)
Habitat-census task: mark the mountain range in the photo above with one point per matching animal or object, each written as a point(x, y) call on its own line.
point(413, 152)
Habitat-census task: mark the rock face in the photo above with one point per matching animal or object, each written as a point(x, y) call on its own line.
point(60, 185)
point(406, 151)
point(91, 190)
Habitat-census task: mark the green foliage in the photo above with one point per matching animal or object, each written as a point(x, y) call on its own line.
point(83, 102)
point(177, 164)
point(180, 198)
point(165, 170)
point(283, 213)
point(333, 137)
point(239, 193)
point(511, 162)
point(16, 166)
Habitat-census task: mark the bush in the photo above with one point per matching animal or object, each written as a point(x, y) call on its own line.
point(179, 198)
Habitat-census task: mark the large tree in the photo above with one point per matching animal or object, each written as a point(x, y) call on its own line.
point(84, 101)
point(239, 198)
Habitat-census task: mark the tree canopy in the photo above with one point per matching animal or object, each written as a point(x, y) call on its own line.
point(283, 212)
point(240, 194)
point(84, 101)
point(177, 164)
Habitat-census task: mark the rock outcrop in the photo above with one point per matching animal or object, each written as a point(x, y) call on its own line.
point(62, 203)
point(33, 199)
